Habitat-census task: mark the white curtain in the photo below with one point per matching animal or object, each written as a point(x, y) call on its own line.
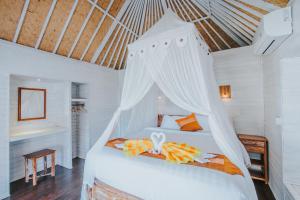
point(181, 66)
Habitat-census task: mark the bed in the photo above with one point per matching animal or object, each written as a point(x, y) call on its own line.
point(144, 177)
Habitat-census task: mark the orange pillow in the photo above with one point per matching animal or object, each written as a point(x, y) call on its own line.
point(189, 123)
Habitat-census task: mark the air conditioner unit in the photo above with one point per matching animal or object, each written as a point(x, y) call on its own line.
point(274, 28)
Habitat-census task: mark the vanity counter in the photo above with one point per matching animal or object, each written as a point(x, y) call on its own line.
point(29, 134)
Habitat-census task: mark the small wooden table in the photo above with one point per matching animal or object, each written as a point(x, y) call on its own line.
point(258, 145)
point(33, 157)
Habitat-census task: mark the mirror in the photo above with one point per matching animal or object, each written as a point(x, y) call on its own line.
point(31, 104)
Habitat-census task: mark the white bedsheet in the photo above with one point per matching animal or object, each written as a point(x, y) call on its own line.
point(155, 179)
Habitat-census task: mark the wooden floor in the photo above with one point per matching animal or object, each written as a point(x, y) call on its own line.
point(67, 185)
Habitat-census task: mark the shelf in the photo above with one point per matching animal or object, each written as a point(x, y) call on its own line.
point(29, 134)
point(79, 100)
point(258, 175)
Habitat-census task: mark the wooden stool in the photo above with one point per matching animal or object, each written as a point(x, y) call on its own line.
point(33, 157)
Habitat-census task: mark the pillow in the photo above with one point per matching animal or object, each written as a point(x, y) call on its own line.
point(169, 122)
point(189, 123)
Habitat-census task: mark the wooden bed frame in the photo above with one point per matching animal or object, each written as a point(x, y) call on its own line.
point(102, 191)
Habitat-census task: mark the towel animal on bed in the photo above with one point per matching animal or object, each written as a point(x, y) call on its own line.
point(174, 152)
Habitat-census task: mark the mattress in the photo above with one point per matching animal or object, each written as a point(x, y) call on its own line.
point(156, 179)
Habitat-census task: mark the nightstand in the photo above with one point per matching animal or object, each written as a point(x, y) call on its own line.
point(257, 147)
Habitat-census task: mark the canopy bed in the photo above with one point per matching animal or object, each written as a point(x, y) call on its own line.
point(172, 56)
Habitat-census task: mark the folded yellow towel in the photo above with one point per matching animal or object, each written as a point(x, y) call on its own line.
point(174, 152)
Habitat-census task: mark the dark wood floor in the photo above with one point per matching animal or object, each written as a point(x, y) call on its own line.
point(67, 185)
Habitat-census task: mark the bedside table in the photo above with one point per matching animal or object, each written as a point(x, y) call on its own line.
point(257, 147)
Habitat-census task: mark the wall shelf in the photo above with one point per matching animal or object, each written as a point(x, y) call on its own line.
point(79, 99)
point(29, 134)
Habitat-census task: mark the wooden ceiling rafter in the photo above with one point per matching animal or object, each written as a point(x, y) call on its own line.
point(86, 20)
point(131, 38)
point(111, 16)
point(62, 33)
point(203, 27)
point(245, 33)
point(241, 25)
point(244, 24)
point(128, 22)
point(39, 40)
point(99, 32)
point(96, 30)
point(261, 4)
point(112, 28)
point(21, 20)
point(213, 29)
point(204, 19)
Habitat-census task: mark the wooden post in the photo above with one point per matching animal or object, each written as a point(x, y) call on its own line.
point(34, 169)
point(53, 164)
point(26, 171)
point(45, 165)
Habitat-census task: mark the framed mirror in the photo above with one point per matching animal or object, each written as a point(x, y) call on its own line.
point(31, 104)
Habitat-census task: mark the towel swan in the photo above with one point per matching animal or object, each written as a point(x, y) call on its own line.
point(158, 139)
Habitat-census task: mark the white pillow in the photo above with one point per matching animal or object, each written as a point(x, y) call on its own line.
point(169, 122)
point(203, 121)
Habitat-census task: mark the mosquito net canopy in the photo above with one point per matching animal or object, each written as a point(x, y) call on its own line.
point(173, 56)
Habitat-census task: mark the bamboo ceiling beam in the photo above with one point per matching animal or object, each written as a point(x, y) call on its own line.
point(202, 26)
point(219, 22)
point(142, 19)
point(128, 20)
point(189, 6)
point(86, 20)
point(164, 5)
point(110, 16)
point(65, 26)
point(236, 11)
point(21, 20)
point(96, 30)
point(180, 7)
point(44, 27)
point(262, 4)
point(135, 28)
point(236, 16)
point(130, 39)
point(231, 26)
point(243, 29)
point(111, 29)
point(242, 6)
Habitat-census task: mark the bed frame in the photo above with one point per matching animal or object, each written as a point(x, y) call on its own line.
point(102, 191)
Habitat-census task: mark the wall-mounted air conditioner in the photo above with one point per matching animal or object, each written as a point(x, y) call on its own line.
point(274, 28)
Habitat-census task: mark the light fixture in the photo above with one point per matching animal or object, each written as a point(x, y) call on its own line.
point(225, 91)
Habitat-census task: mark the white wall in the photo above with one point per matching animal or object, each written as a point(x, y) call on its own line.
point(272, 86)
point(19, 60)
point(242, 70)
point(290, 114)
point(57, 112)
point(4, 129)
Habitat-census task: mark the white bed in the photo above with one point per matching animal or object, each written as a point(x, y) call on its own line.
point(155, 179)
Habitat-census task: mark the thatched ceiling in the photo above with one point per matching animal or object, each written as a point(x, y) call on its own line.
point(98, 31)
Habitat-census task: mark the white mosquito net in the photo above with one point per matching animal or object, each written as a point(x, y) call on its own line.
point(172, 56)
